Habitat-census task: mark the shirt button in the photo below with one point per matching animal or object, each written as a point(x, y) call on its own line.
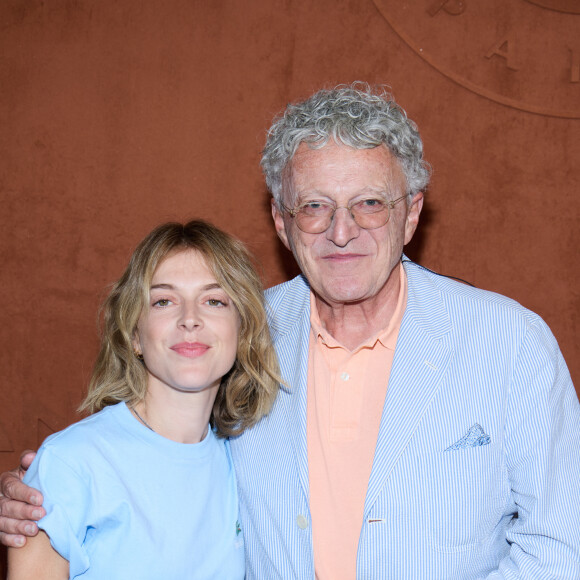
point(345, 376)
point(302, 522)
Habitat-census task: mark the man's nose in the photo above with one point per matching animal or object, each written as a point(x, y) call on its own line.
point(343, 228)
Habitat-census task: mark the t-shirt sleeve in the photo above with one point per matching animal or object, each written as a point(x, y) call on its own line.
point(67, 503)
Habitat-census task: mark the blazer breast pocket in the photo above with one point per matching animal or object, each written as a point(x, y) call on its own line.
point(465, 492)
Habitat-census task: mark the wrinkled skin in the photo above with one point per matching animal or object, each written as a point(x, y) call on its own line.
point(19, 514)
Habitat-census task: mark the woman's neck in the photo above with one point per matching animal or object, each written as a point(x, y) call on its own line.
point(175, 415)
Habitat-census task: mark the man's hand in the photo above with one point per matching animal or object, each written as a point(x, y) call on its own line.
point(20, 505)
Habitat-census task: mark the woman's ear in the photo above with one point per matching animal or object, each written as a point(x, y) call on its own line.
point(136, 343)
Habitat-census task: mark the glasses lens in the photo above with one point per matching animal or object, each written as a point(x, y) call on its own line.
point(314, 218)
point(370, 213)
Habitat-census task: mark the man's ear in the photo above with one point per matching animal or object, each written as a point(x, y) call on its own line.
point(279, 224)
point(413, 214)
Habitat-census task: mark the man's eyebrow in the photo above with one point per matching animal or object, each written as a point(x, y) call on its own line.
point(368, 190)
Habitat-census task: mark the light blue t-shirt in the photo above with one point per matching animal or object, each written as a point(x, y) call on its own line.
point(125, 503)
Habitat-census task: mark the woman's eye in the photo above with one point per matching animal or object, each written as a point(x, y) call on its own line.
point(162, 302)
point(216, 302)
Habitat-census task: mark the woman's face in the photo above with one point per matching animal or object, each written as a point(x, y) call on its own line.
point(188, 331)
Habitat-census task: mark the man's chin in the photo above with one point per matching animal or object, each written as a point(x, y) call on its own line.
point(341, 293)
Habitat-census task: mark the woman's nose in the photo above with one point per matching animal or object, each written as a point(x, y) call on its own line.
point(190, 317)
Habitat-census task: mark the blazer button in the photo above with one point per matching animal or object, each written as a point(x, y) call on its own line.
point(302, 522)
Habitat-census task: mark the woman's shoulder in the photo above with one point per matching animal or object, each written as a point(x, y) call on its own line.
point(87, 432)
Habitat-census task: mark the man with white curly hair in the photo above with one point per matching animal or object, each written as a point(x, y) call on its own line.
point(427, 429)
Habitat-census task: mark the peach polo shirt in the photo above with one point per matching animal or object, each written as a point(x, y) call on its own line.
point(346, 393)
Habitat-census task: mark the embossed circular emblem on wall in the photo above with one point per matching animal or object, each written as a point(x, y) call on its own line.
point(521, 53)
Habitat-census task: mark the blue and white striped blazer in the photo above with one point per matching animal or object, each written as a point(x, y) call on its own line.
point(476, 472)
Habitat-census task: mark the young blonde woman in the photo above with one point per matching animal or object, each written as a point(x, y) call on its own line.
point(144, 487)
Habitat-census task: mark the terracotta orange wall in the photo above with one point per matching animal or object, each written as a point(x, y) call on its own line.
point(116, 116)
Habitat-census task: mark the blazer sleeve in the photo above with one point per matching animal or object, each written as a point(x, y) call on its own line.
point(543, 461)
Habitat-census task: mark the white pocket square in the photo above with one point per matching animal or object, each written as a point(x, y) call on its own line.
point(475, 437)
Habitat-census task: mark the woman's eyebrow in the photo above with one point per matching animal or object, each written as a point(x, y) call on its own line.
point(162, 286)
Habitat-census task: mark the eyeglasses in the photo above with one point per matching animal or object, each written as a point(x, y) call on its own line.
point(315, 217)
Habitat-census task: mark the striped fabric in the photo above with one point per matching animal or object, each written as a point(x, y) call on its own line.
point(509, 508)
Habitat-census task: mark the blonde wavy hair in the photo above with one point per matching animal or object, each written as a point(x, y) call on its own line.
point(248, 390)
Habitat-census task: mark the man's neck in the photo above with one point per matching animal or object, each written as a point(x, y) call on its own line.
point(353, 323)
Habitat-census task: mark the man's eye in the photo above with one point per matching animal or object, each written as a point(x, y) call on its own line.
point(370, 205)
point(371, 202)
point(314, 208)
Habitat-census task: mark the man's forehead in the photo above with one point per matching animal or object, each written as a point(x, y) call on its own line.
point(336, 167)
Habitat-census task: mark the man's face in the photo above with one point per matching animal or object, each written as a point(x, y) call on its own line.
point(346, 263)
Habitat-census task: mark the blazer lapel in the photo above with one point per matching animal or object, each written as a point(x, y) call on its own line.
point(420, 362)
point(291, 336)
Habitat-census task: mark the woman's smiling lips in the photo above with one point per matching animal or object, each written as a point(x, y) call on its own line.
point(190, 349)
